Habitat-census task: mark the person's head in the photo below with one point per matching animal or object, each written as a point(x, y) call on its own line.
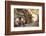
point(19, 18)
